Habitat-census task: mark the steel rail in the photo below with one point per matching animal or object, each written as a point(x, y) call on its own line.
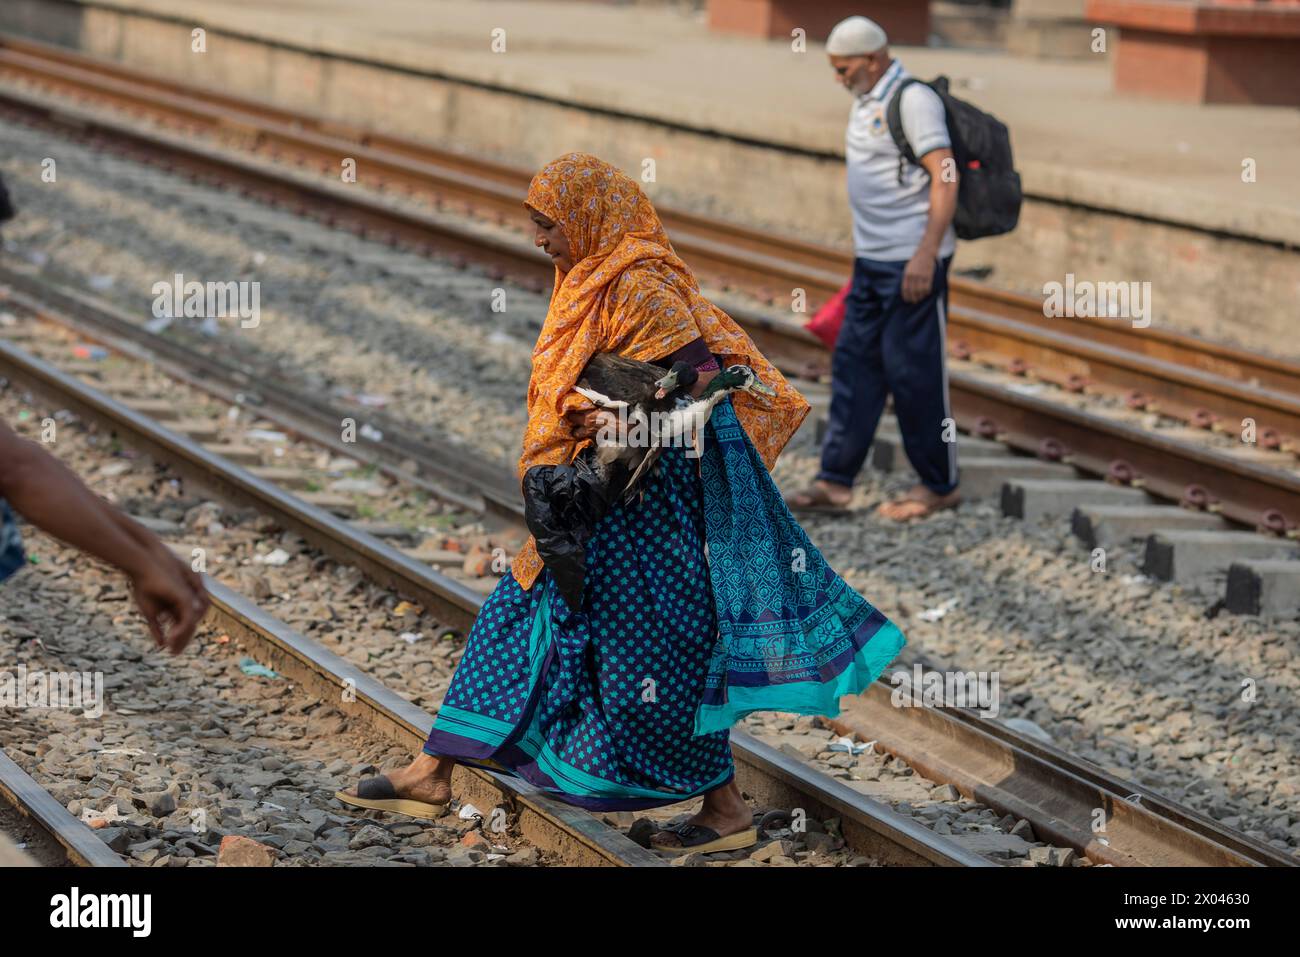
point(450, 600)
point(1247, 492)
point(79, 842)
point(1059, 794)
point(870, 827)
point(326, 674)
point(775, 779)
point(578, 837)
point(757, 257)
point(1243, 491)
point(1247, 481)
point(1178, 390)
point(445, 469)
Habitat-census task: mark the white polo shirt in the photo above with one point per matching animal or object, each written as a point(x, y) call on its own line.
point(888, 217)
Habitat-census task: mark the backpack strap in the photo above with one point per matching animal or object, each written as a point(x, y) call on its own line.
point(894, 116)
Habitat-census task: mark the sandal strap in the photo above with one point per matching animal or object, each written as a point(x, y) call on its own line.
point(692, 834)
point(377, 788)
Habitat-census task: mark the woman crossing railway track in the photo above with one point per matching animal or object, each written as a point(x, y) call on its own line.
point(704, 600)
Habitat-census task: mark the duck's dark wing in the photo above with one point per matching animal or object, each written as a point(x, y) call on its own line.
point(633, 482)
point(621, 378)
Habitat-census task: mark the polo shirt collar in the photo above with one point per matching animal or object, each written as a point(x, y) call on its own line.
point(885, 85)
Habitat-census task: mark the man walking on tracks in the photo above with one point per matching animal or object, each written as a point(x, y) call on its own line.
point(892, 338)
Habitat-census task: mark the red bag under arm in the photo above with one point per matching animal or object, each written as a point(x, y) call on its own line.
point(825, 323)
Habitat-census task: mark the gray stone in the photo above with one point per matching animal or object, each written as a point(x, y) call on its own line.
point(464, 857)
point(528, 857)
point(376, 852)
point(690, 860)
point(295, 832)
point(118, 838)
point(197, 847)
point(993, 844)
point(315, 819)
point(892, 790)
point(414, 855)
point(370, 836)
point(820, 843)
point(1052, 856)
point(1026, 727)
point(1023, 829)
point(159, 803)
point(642, 830)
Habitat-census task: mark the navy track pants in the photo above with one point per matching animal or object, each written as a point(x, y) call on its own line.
point(889, 346)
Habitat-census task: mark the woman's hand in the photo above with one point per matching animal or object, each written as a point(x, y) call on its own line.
point(585, 423)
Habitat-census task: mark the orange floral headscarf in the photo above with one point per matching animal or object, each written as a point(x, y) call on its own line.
point(627, 293)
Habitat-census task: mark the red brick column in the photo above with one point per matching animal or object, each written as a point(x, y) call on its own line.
point(1212, 51)
point(905, 21)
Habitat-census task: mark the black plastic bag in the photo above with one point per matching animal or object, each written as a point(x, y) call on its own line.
point(562, 506)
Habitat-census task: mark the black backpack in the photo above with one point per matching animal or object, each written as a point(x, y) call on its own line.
point(988, 195)
point(6, 207)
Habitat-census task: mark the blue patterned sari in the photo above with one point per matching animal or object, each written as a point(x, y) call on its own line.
point(626, 703)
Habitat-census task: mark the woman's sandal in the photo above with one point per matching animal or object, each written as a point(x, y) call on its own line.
point(377, 794)
point(814, 499)
point(695, 838)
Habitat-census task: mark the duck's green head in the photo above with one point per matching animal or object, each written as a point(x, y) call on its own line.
point(737, 378)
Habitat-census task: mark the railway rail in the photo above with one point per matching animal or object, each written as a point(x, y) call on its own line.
point(956, 747)
point(77, 841)
point(768, 776)
point(1211, 387)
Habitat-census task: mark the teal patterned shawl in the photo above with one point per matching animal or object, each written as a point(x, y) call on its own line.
point(792, 635)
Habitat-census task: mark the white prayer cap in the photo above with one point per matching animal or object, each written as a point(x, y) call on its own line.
point(855, 36)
